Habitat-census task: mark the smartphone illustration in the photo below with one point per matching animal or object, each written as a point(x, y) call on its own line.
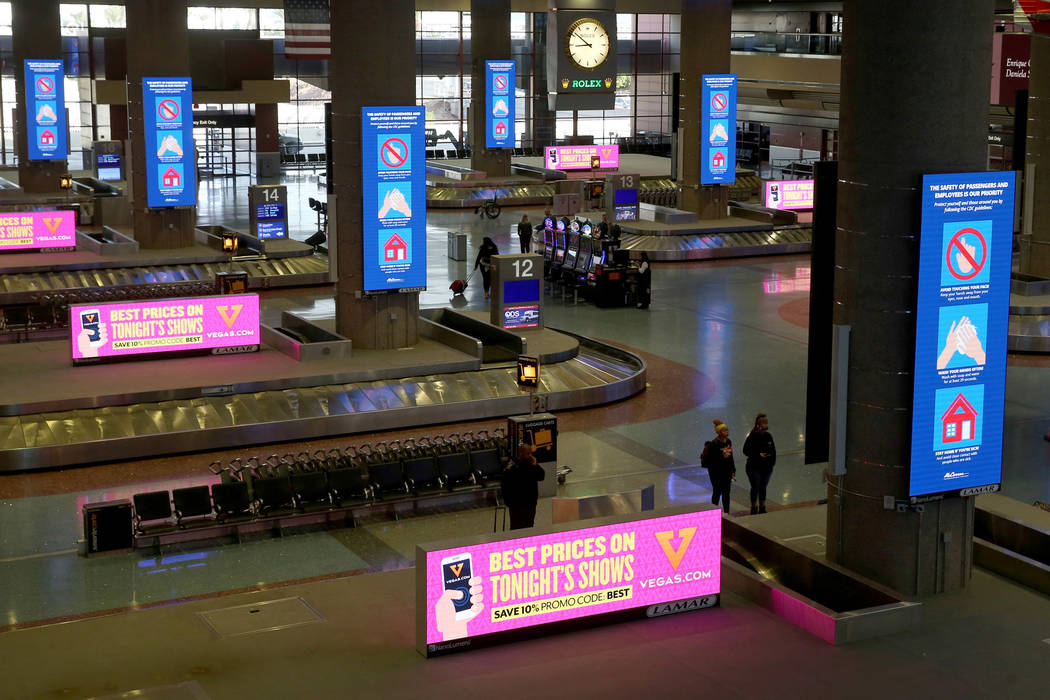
point(774, 194)
point(456, 571)
point(89, 321)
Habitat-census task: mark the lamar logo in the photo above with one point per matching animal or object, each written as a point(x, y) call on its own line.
point(52, 224)
point(229, 318)
point(456, 569)
point(675, 554)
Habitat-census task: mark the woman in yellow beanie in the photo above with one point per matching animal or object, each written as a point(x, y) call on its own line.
point(717, 459)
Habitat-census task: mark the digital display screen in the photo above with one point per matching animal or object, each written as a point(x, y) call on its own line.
point(499, 103)
point(960, 332)
point(570, 257)
point(530, 581)
point(168, 325)
point(579, 157)
point(718, 129)
point(270, 220)
point(45, 109)
point(107, 165)
point(32, 230)
point(393, 188)
point(515, 291)
point(625, 197)
point(789, 194)
point(526, 316)
point(171, 172)
point(627, 212)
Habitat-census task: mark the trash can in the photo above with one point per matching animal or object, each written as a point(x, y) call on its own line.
point(457, 245)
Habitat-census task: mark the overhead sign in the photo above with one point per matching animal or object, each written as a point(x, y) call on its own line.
point(393, 188)
point(268, 209)
point(789, 194)
point(960, 332)
point(171, 168)
point(581, 157)
point(219, 324)
point(718, 129)
point(35, 230)
point(499, 103)
point(45, 109)
point(581, 55)
point(471, 594)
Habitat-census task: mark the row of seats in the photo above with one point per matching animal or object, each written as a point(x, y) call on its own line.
point(301, 159)
point(664, 197)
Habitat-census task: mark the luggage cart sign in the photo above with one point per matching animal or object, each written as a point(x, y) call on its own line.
point(960, 333)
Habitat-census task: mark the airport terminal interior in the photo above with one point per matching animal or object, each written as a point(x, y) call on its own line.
point(311, 588)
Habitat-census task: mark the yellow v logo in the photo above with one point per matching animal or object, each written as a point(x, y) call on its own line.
point(52, 224)
point(229, 318)
point(457, 569)
point(675, 554)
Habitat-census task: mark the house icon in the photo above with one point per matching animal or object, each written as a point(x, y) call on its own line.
point(958, 421)
point(718, 160)
point(395, 249)
point(47, 138)
point(500, 129)
point(171, 178)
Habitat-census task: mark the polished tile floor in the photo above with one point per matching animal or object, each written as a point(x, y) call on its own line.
point(722, 339)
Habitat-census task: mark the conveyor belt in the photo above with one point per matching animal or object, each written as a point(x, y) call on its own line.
point(462, 197)
point(721, 245)
point(598, 374)
point(269, 272)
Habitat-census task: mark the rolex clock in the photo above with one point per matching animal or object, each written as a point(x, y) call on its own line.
point(581, 46)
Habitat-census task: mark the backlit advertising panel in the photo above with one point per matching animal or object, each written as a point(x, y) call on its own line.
point(470, 593)
point(171, 166)
point(45, 109)
point(789, 194)
point(393, 187)
point(960, 332)
point(219, 324)
point(581, 157)
point(499, 103)
point(35, 230)
point(718, 129)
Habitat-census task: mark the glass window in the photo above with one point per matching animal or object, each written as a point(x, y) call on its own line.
point(74, 19)
point(271, 23)
point(200, 17)
point(108, 16)
point(5, 15)
point(440, 25)
point(237, 18)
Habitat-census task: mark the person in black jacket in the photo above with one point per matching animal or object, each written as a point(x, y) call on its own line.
point(520, 488)
point(645, 282)
point(761, 456)
point(525, 234)
point(717, 459)
point(484, 261)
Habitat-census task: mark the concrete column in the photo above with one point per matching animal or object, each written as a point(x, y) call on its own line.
point(157, 46)
point(390, 320)
point(706, 26)
point(489, 41)
point(1035, 251)
point(267, 143)
point(37, 33)
point(893, 129)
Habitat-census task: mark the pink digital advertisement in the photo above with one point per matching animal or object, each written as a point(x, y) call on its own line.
point(789, 194)
point(218, 323)
point(30, 230)
point(579, 157)
point(510, 584)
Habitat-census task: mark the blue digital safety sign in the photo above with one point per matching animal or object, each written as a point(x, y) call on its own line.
point(393, 178)
point(499, 104)
point(171, 172)
point(45, 109)
point(718, 129)
point(270, 220)
point(960, 332)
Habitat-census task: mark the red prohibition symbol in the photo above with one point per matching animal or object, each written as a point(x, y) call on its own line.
point(45, 85)
point(956, 244)
point(719, 101)
point(394, 152)
point(168, 110)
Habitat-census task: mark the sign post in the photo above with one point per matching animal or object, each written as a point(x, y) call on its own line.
point(517, 291)
point(268, 211)
point(499, 103)
point(45, 109)
point(171, 167)
point(718, 130)
point(622, 196)
point(960, 333)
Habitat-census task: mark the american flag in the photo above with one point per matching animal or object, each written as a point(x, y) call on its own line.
point(307, 29)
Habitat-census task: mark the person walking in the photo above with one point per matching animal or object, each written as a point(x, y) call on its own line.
point(484, 262)
point(520, 488)
point(603, 227)
point(525, 234)
point(645, 282)
point(761, 455)
point(717, 459)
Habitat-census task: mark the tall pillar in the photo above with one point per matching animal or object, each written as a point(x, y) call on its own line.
point(893, 129)
point(390, 320)
point(1035, 252)
point(37, 33)
point(157, 46)
point(489, 41)
point(706, 26)
point(267, 142)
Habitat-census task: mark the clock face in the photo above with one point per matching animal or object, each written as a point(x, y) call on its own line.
point(587, 43)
